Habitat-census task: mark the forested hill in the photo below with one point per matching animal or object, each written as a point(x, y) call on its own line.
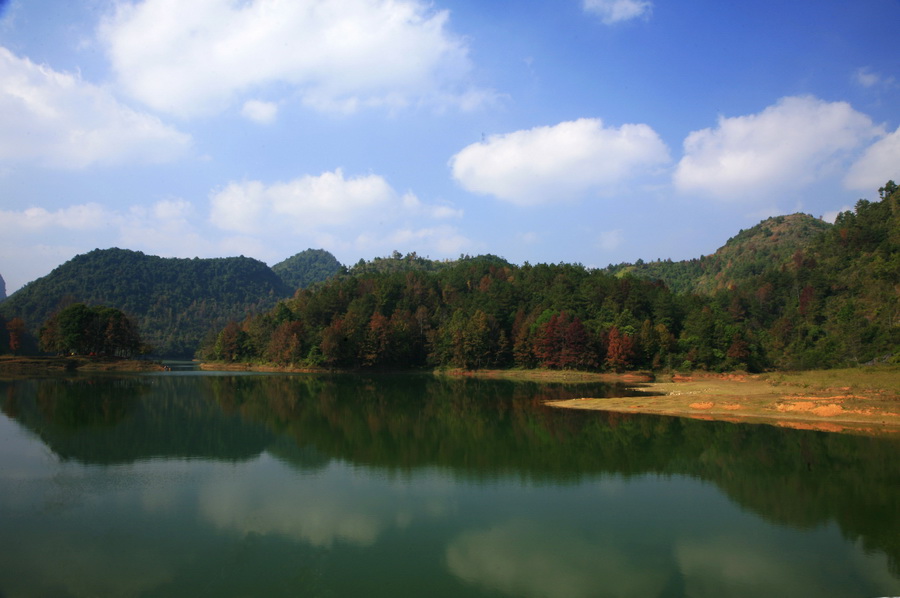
point(825, 296)
point(2, 289)
point(771, 243)
point(398, 262)
point(174, 301)
point(307, 268)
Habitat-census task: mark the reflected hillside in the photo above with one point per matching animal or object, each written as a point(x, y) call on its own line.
point(111, 420)
point(474, 429)
point(486, 428)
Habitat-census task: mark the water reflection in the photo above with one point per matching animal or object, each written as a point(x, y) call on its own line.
point(523, 558)
point(278, 485)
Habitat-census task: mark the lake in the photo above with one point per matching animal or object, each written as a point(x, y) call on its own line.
point(206, 484)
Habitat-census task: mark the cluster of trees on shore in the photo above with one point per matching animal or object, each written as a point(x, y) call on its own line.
point(83, 330)
point(834, 302)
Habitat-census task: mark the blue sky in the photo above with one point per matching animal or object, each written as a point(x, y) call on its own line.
point(590, 131)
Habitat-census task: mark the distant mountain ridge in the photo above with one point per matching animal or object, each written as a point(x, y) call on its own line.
point(173, 301)
point(792, 291)
point(772, 242)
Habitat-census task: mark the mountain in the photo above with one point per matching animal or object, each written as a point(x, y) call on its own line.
point(307, 268)
point(173, 301)
point(771, 243)
point(2, 289)
point(790, 293)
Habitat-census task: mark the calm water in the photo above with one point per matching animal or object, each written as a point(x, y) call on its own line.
point(264, 485)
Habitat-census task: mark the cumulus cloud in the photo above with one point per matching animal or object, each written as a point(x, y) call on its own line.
point(363, 214)
point(306, 203)
point(868, 78)
point(194, 58)
point(560, 162)
point(89, 216)
point(444, 240)
point(788, 145)
point(263, 113)
point(877, 165)
point(614, 11)
point(57, 119)
point(35, 240)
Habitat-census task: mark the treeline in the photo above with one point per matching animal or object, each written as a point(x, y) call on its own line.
point(833, 303)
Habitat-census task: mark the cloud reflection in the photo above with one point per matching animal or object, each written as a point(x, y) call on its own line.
point(744, 566)
point(523, 559)
point(333, 509)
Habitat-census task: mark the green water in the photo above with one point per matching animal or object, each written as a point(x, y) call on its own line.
point(190, 484)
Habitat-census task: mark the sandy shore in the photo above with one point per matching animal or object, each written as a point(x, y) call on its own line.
point(761, 399)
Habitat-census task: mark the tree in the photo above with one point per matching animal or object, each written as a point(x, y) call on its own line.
point(16, 330)
point(619, 350)
point(286, 343)
point(80, 329)
point(229, 345)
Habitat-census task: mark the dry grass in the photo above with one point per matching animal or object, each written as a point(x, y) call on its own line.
point(858, 400)
point(19, 366)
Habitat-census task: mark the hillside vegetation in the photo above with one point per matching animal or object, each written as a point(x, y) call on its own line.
point(748, 254)
point(307, 268)
point(789, 293)
point(822, 297)
point(174, 302)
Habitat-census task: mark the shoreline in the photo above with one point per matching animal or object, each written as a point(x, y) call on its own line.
point(29, 365)
point(803, 401)
point(858, 400)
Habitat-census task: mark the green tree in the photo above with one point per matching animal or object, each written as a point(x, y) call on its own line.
point(16, 331)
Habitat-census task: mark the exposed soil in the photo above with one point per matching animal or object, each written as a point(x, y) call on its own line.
point(760, 399)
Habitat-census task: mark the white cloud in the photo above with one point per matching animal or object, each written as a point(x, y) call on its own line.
point(194, 58)
point(361, 214)
point(35, 240)
point(865, 77)
point(304, 204)
point(261, 112)
point(56, 119)
point(868, 78)
point(442, 240)
point(878, 164)
point(89, 216)
point(615, 11)
point(561, 162)
point(610, 239)
point(435, 211)
point(786, 146)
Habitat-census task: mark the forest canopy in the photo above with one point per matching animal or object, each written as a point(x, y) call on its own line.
point(832, 300)
point(790, 293)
